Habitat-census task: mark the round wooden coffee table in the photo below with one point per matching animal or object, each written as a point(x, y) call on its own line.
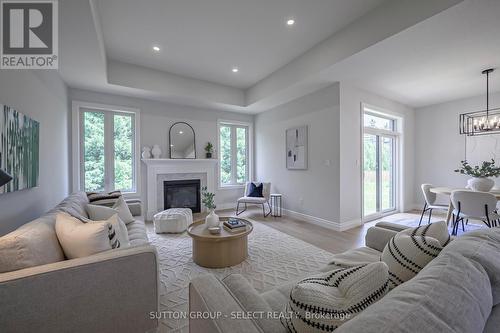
point(222, 250)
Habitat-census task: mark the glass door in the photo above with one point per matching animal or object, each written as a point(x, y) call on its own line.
point(379, 166)
point(387, 175)
point(370, 178)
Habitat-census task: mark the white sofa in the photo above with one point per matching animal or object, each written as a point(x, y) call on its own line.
point(113, 291)
point(457, 292)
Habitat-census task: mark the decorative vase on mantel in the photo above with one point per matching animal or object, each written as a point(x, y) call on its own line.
point(156, 151)
point(480, 184)
point(146, 152)
point(212, 219)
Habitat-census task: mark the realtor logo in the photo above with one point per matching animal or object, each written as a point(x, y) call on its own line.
point(29, 34)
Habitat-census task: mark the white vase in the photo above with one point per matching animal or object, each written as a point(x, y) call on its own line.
point(156, 151)
point(480, 184)
point(212, 219)
point(146, 152)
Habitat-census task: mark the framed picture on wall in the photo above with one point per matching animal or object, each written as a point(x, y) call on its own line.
point(19, 151)
point(296, 148)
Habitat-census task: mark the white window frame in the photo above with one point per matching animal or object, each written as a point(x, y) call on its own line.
point(249, 126)
point(77, 145)
point(397, 135)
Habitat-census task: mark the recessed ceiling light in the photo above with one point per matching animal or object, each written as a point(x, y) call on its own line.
point(156, 48)
point(235, 69)
point(290, 22)
point(180, 132)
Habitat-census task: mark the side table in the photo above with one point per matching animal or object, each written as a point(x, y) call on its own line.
point(276, 204)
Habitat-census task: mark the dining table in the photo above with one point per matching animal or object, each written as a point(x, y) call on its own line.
point(447, 191)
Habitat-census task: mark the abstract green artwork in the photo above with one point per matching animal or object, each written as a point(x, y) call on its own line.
point(19, 149)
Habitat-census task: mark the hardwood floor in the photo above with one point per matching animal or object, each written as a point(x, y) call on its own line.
point(326, 239)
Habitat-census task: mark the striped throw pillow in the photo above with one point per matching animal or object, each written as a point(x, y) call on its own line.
point(324, 302)
point(411, 249)
point(103, 198)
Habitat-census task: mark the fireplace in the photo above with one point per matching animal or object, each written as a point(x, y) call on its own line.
point(182, 194)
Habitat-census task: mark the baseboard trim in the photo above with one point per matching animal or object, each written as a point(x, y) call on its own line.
point(337, 226)
point(228, 205)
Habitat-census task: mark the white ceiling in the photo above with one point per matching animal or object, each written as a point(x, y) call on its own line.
point(204, 39)
point(431, 52)
point(437, 60)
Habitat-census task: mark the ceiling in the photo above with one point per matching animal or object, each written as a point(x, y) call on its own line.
point(416, 52)
point(435, 61)
point(205, 39)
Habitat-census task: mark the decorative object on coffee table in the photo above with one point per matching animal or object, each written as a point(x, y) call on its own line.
point(173, 220)
point(276, 204)
point(481, 174)
point(209, 148)
point(212, 219)
point(156, 151)
point(223, 250)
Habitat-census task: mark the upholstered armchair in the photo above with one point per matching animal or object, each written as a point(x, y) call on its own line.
point(266, 192)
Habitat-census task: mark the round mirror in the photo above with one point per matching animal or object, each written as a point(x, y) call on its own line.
point(182, 141)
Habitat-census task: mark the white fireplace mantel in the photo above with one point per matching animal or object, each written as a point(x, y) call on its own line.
point(163, 166)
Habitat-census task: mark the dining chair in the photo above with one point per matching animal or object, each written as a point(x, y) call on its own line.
point(473, 205)
point(430, 202)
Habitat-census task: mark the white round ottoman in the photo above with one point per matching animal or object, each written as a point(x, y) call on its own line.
point(173, 220)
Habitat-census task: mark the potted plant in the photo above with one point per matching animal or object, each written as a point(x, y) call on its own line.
point(209, 149)
point(212, 219)
point(481, 175)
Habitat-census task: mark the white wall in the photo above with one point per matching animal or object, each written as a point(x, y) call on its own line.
point(43, 96)
point(351, 99)
point(313, 192)
point(440, 147)
point(156, 119)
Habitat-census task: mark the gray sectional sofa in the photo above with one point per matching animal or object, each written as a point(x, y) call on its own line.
point(459, 291)
point(113, 291)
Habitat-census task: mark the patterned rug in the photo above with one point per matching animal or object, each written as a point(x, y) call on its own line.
point(273, 258)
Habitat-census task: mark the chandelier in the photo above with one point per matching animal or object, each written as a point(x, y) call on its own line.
point(481, 122)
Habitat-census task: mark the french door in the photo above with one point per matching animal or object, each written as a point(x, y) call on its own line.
point(379, 173)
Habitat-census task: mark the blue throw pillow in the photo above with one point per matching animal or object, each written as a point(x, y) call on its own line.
point(255, 191)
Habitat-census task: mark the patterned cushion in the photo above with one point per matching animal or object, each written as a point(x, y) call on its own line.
point(411, 249)
point(103, 198)
point(324, 302)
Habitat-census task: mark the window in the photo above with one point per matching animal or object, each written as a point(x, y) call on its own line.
point(106, 150)
point(234, 154)
point(380, 140)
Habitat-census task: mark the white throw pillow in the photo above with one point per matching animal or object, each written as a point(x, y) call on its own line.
point(410, 250)
point(80, 239)
point(324, 302)
point(123, 211)
point(99, 213)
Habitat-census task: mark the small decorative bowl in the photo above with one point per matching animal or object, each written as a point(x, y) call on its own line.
point(214, 230)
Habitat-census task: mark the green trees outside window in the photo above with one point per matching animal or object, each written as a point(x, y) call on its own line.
point(118, 163)
point(233, 153)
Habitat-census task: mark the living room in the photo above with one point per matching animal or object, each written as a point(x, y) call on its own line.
point(222, 166)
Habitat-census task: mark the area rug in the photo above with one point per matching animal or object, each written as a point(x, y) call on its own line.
point(274, 258)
